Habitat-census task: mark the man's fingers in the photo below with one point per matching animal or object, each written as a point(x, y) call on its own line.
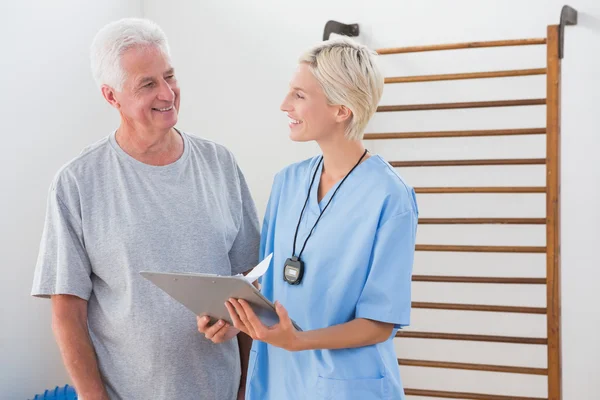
point(220, 335)
point(215, 329)
point(202, 323)
point(215, 332)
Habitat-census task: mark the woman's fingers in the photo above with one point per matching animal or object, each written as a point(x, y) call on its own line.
point(243, 318)
point(255, 324)
point(237, 322)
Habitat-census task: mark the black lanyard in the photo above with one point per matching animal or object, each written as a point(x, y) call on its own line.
point(294, 267)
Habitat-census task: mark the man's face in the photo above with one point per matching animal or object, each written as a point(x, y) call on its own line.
point(150, 96)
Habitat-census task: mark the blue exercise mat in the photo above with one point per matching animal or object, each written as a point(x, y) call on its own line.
point(59, 393)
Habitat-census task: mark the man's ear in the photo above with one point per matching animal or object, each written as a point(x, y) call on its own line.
point(109, 95)
point(344, 114)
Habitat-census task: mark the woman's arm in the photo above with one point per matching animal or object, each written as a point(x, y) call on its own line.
point(356, 333)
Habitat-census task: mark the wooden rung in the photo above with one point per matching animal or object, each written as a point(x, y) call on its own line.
point(470, 75)
point(473, 367)
point(482, 221)
point(482, 189)
point(457, 46)
point(480, 249)
point(464, 395)
point(472, 104)
point(478, 279)
point(472, 338)
point(447, 134)
point(479, 307)
point(458, 163)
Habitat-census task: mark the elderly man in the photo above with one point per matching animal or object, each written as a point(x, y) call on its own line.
point(146, 197)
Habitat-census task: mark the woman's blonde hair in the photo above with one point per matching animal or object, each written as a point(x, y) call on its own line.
point(349, 75)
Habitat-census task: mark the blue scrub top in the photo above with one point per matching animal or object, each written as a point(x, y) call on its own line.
point(358, 264)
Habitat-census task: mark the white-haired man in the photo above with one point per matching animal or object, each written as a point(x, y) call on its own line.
point(146, 197)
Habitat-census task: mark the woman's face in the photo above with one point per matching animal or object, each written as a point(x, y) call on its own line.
point(311, 117)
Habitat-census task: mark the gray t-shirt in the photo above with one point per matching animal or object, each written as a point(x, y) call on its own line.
point(109, 217)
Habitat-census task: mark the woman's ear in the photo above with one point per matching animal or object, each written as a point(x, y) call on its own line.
point(344, 114)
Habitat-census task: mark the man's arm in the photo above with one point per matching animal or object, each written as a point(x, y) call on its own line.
point(69, 324)
point(245, 344)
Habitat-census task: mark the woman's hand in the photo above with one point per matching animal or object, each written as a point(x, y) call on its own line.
point(219, 332)
point(282, 334)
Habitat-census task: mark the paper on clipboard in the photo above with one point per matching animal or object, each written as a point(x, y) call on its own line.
point(259, 270)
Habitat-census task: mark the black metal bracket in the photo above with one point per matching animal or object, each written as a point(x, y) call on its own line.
point(568, 16)
point(340, 29)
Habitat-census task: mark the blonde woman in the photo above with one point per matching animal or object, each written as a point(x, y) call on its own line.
point(341, 227)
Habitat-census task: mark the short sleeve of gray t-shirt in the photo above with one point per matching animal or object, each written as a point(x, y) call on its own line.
point(110, 216)
point(63, 266)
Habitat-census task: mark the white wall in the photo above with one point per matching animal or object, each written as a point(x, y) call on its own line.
point(234, 66)
point(50, 110)
point(234, 60)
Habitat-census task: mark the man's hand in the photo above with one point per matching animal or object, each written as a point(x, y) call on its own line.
point(219, 332)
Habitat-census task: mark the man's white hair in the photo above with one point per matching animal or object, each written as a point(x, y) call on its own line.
point(114, 39)
point(349, 75)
